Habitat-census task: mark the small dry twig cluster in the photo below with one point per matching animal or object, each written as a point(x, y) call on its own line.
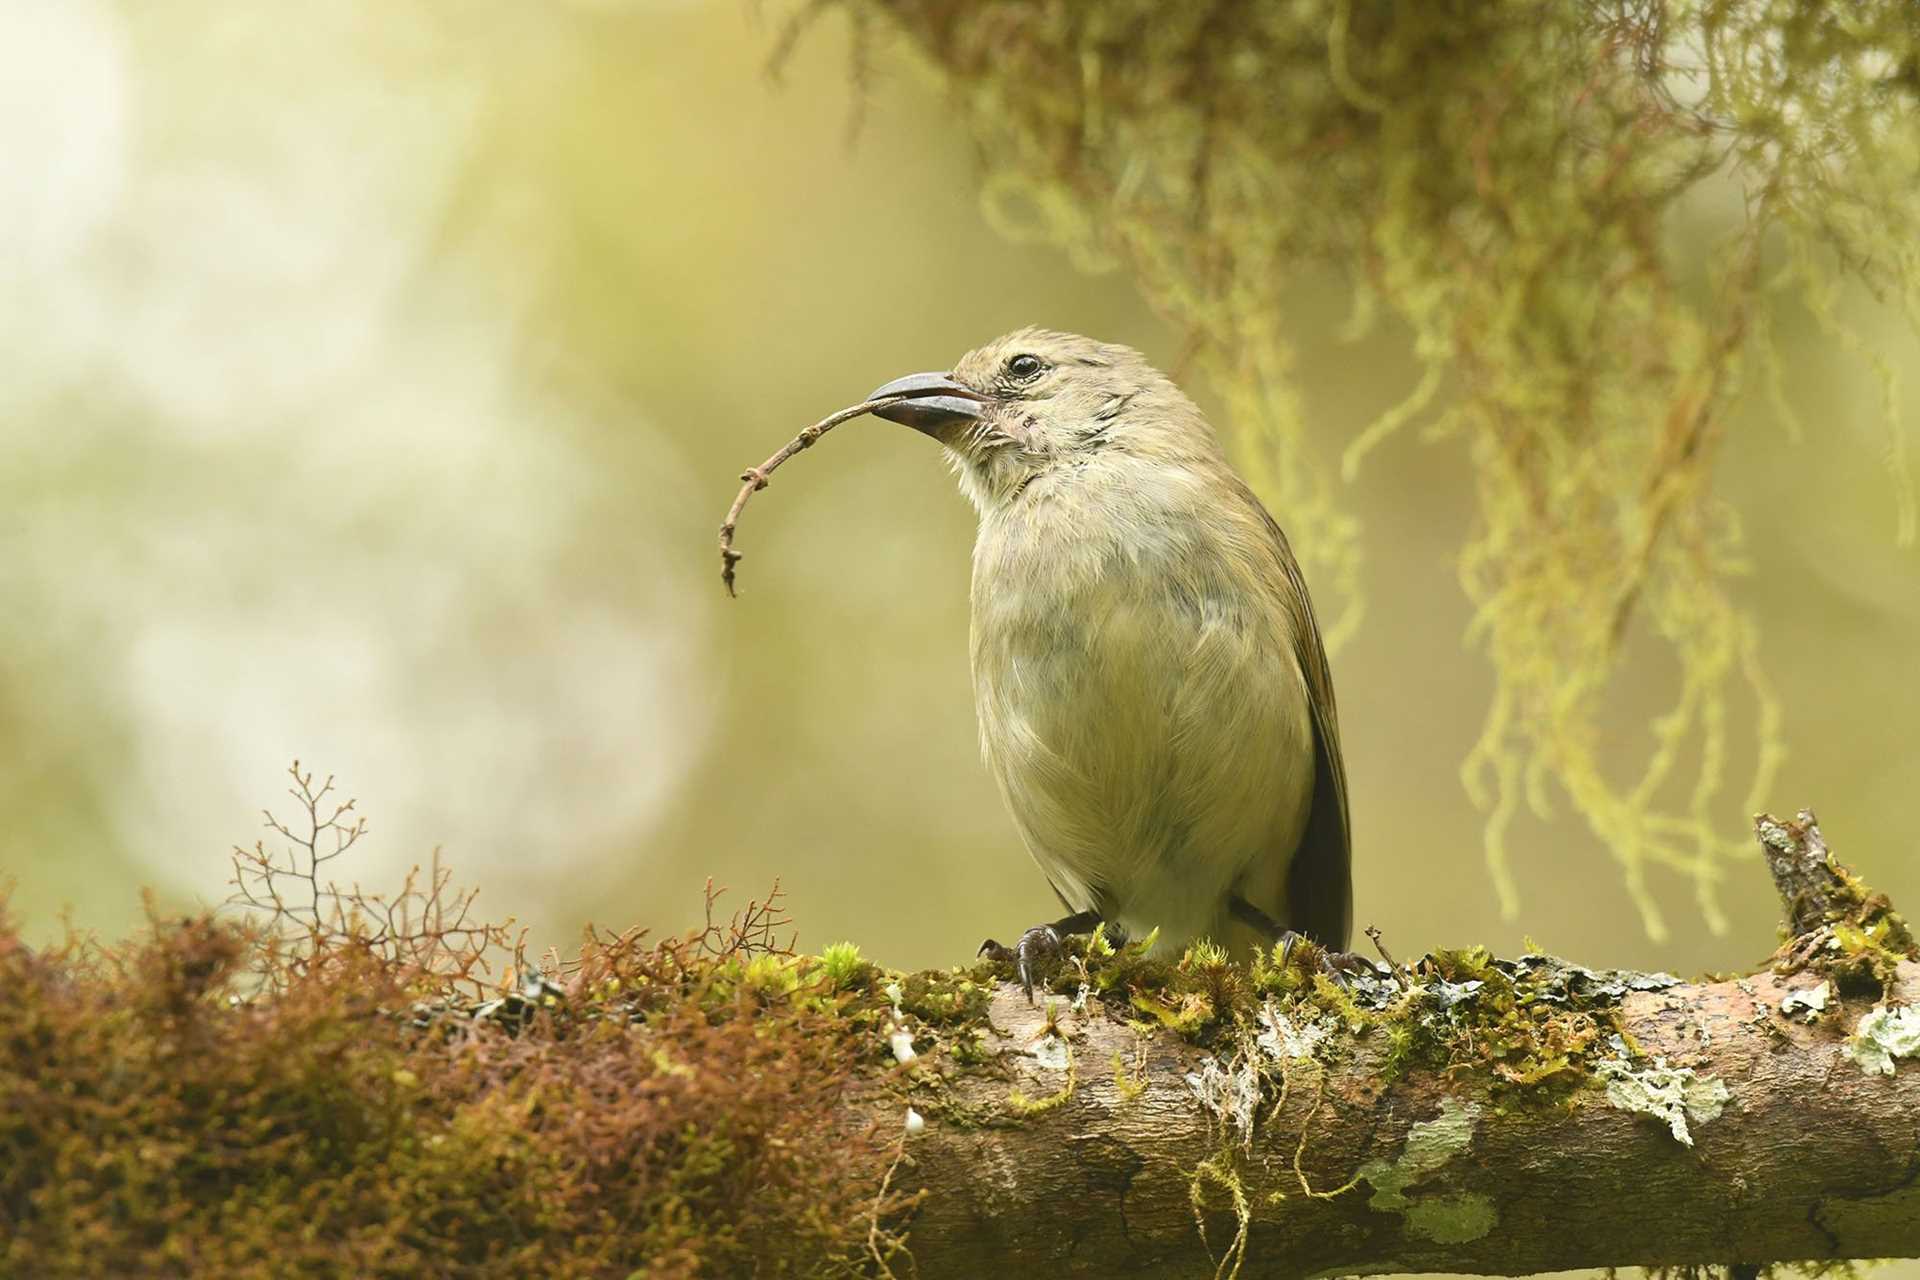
point(426, 926)
point(646, 972)
point(303, 1092)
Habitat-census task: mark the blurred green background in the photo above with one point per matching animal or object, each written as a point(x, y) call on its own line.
point(374, 378)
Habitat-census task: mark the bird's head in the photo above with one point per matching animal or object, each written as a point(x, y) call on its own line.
point(1036, 400)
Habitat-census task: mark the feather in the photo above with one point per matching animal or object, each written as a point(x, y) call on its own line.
point(1320, 869)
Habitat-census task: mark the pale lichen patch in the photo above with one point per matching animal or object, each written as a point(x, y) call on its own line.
point(1052, 1053)
point(1282, 1038)
point(1882, 1035)
point(1812, 1001)
point(1674, 1095)
point(1230, 1095)
point(1430, 1145)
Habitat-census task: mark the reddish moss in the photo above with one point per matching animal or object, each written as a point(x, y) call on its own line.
point(208, 1100)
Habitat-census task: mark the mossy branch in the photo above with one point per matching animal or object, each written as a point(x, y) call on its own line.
point(1481, 1116)
point(716, 1104)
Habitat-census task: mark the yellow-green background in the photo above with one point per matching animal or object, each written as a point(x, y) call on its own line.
point(373, 377)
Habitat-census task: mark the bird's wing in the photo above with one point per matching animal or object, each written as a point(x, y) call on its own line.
point(1320, 876)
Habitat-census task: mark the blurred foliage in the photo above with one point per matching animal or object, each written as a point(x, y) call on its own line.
point(1502, 178)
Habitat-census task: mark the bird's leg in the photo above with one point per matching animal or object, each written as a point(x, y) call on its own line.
point(1336, 964)
point(1038, 944)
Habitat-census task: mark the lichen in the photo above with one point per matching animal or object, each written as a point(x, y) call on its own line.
point(1230, 1094)
point(1535, 1023)
point(1445, 1217)
point(1430, 1145)
point(1053, 1053)
point(1281, 1038)
point(1810, 1001)
point(1882, 1035)
point(1673, 1095)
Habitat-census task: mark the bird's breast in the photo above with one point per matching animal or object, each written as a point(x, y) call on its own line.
point(1139, 700)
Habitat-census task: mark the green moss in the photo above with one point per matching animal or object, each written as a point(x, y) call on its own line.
point(348, 1097)
point(843, 967)
point(1129, 1084)
point(1536, 1025)
point(968, 1048)
point(1279, 971)
point(1869, 938)
point(1205, 956)
point(945, 997)
point(1336, 999)
point(219, 1099)
point(1185, 1013)
point(1847, 931)
point(1218, 1172)
point(1022, 1104)
point(772, 977)
point(213, 1099)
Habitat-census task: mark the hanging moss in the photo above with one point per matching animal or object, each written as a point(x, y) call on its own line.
point(1502, 176)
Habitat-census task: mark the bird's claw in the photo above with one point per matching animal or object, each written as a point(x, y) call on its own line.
point(1037, 946)
point(1339, 966)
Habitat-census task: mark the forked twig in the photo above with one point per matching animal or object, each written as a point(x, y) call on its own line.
point(755, 478)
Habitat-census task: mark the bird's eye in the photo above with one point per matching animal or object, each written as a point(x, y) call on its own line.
point(1025, 368)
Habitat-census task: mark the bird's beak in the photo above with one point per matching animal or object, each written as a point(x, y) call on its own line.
point(937, 402)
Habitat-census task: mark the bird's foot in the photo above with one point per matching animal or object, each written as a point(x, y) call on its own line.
point(1038, 946)
point(1340, 966)
point(1039, 949)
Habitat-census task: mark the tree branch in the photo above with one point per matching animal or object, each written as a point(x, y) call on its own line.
point(1749, 1121)
point(344, 1098)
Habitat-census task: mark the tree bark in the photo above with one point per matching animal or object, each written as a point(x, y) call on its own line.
point(1738, 1133)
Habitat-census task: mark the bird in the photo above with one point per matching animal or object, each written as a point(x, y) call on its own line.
point(1152, 690)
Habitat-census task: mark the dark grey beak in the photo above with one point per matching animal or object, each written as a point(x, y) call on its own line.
point(938, 402)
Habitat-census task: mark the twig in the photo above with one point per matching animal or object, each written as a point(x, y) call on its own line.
point(1406, 979)
point(1802, 870)
point(425, 926)
point(755, 478)
point(882, 1244)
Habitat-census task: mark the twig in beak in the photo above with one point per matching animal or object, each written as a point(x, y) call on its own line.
point(755, 478)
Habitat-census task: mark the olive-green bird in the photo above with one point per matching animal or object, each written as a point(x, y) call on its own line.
point(1153, 695)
